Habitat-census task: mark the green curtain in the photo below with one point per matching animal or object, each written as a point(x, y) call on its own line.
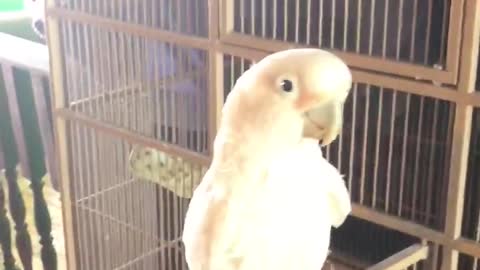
point(11, 5)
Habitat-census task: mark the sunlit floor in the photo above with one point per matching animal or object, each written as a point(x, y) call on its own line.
point(54, 206)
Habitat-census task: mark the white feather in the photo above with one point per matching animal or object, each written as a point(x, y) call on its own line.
point(282, 223)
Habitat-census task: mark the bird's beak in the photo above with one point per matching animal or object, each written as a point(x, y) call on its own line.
point(324, 122)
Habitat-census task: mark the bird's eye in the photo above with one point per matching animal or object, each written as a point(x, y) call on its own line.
point(286, 85)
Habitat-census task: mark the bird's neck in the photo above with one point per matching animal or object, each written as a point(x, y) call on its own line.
point(243, 155)
point(234, 151)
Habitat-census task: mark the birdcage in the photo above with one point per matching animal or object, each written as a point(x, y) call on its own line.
point(138, 90)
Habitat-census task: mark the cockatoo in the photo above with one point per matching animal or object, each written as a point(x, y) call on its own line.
point(269, 199)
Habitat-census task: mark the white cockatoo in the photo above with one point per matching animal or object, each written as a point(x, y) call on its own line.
point(269, 199)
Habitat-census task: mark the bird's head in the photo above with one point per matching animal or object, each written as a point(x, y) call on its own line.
point(293, 90)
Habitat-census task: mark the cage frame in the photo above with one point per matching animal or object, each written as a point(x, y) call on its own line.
point(403, 259)
point(60, 132)
point(447, 76)
point(221, 42)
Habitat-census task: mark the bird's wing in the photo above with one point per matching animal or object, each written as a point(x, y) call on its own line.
point(338, 197)
point(210, 237)
point(339, 200)
point(275, 225)
point(333, 184)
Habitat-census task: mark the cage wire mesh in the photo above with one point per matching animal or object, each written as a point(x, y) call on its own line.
point(122, 222)
point(411, 31)
point(233, 67)
point(471, 216)
point(471, 210)
point(130, 200)
point(181, 16)
point(153, 88)
point(477, 81)
point(394, 150)
point(467, 262)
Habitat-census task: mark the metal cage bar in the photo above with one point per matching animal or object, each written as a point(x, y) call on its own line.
point(327, 27)
point(403, 259)
point(61, 140)
point(462, 132)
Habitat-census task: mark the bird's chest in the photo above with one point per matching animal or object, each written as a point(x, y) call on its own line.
point(276, 225)
point(285, 205)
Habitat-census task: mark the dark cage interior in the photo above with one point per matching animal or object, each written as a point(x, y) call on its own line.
point(477, 82)
point(394, 150)
point(471, 210)
point(410, 31)
point(356, 237)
